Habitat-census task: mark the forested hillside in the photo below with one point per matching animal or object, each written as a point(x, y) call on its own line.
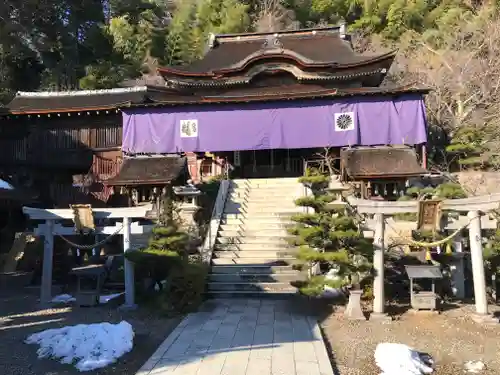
point(451, 45)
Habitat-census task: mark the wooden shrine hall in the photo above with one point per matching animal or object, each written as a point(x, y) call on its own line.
point(255, 105)
point(262, 104)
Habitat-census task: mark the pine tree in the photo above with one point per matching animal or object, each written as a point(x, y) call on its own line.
point(166, 248)
point(329, 238)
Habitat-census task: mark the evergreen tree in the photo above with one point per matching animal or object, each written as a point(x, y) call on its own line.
point(329, 238)
point(166, 248)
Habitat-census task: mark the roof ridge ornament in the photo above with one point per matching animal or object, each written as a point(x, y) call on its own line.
point(211, 40)
point(342, 30)
point(272, 42)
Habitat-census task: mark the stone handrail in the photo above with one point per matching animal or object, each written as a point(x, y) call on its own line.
point(217, 212)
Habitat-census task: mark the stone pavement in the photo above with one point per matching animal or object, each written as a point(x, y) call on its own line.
point(242, 337)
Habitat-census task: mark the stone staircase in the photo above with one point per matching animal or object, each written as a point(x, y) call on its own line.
point(251, 255)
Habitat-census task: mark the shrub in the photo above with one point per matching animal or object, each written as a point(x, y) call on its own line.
point(185, 288)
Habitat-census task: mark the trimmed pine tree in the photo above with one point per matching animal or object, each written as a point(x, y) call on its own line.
point(329, 239)
point(166, 248)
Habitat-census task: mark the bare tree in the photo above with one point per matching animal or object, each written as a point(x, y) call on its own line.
point(462, 67)
point(274, 16)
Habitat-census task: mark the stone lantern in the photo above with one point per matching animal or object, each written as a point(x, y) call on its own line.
point(189, 194)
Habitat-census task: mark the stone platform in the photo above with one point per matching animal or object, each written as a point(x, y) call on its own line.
point(242, 337)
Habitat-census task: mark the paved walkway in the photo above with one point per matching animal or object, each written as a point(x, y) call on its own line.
point(242, 337)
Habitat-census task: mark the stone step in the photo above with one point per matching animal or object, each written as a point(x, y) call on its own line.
point(249, 254)
point(264, 201)
point(259, 219)
point(252, 287)
point(257, 240)
point(266, 182)
point(285, 277)
point(282, 246)
point(269, 209)
point(251, 269)
point(270, 229)
point(250, 188)
point(249, 262)
point(271, 234)
point(272, 295)
point(259, 193)
point(259, 215)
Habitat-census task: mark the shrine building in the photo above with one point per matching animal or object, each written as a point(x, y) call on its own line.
point(265, 104)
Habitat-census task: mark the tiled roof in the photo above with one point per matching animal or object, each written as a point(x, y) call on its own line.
point(326, 46)
point(277, 93)
point(382, 161)
point(148, 170)
point(90, 100)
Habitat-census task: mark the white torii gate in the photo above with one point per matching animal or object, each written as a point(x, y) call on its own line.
point(474, 206)
point(51, 228)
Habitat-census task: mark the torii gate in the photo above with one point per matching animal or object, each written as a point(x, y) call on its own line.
point(51, 228)
point(475, 207)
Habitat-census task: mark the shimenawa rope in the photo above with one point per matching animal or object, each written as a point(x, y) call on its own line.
point(90, 247)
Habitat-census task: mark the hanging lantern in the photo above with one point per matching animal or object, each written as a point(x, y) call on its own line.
point(375, 190)
point(394, 190)
point(385, 189)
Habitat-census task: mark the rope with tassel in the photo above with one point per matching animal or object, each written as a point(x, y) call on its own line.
point(90, 247)
point(429, 245)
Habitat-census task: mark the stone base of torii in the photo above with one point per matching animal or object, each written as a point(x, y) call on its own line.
point(51, 228)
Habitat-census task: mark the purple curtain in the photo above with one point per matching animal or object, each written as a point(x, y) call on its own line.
point(363, 120)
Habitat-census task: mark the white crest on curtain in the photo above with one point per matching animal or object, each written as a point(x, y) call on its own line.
point(344, 121)
point(189, 128)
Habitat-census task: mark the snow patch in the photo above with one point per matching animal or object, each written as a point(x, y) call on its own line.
point(109, 297)
point(63, 298)
point(88, 346)
point(67, 298)
point(5, 185)
point(474, 367)
point(399, 359)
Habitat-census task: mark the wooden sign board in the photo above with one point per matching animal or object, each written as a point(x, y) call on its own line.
point(83, 217)
point(429, 215)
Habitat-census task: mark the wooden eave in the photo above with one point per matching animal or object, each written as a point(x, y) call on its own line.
point(247, 79)
point(297, 60)
point(307, 93)
point(69, 110)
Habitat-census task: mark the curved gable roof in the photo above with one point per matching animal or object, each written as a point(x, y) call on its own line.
point(326, 47)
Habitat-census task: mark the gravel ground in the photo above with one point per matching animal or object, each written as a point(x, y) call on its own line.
point(451, 338)
point(20, 317)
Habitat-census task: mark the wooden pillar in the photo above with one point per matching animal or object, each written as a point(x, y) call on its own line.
point(378, 265)
point(48, 258)
point(424, 156)
point(192, 162)
point(128, 268)
point(476, 253)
